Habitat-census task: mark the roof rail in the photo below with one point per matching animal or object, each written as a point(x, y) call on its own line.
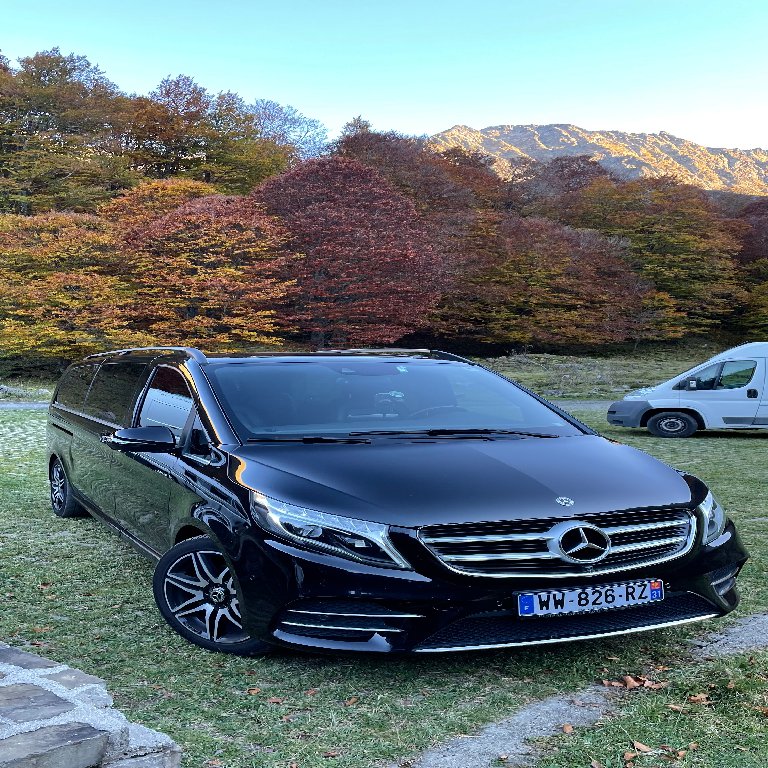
point(375, 351)
point(434, 353)
point(195, 354)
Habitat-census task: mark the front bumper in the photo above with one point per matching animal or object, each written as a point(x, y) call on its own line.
point(325, 603)
point(627, 413)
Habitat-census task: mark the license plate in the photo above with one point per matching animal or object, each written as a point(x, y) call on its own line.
point(599, 597)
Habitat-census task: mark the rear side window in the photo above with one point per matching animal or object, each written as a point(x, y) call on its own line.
point(113, 391)
point(74, 386)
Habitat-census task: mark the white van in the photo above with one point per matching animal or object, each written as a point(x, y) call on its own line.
point(726, 392)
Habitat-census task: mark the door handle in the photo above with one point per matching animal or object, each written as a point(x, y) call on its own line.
point(752, 394)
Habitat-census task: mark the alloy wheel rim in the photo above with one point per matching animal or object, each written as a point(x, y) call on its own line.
point(200, 594)
point(58, 487)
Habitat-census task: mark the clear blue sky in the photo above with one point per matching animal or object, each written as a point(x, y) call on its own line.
point(695, 68)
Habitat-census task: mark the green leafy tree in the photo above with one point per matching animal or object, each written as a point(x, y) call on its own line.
point(678, 242)
point(181, 130)
point(60, 126)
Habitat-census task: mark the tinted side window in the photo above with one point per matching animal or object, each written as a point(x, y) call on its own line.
point(74, 386)
point(167, 402)
point(736, 374)
point(113, 390)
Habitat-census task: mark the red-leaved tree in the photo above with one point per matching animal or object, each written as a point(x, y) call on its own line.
point(211, 273)
point(368, 273)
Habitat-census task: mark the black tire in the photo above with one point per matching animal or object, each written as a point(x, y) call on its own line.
point(198, 595)
point(63, 502)
point(672, 424)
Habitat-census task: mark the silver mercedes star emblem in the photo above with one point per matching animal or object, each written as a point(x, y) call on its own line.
point(564, 501)
point(583, 543)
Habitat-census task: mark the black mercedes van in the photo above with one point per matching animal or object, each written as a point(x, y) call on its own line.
point(379, 500)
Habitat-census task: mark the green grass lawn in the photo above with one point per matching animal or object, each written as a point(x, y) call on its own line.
point(71, 590)
point(604, 377)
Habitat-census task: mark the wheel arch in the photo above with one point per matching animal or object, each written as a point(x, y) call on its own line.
point(189, 531)
point(695, 415)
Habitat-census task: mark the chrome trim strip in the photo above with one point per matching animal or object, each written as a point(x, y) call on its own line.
point(640, 545)
point(642, 527)
point(663, 625)
point(727, 577)
point(499, 556)
point(346, 629)
point(366, 615)
point(494, 538)
point(482, 539)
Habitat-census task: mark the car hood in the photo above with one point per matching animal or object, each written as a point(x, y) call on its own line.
point(414, 483)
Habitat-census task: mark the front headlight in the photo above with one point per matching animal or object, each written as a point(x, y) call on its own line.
point(358, 540)
point(714, 515)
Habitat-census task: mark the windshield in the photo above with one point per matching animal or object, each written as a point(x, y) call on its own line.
point(339, 397)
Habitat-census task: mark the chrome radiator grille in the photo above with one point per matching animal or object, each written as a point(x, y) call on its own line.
point(524, 547)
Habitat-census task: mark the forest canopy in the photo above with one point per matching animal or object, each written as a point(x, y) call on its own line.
point(190, 217)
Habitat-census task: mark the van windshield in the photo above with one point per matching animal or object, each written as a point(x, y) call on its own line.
point(341, 397)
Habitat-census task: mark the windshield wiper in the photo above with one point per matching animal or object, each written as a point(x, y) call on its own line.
point(307, 439)
point(491, 432)
point(458, 433)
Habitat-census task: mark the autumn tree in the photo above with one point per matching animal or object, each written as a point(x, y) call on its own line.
point(547, 284)
point(753, 267)
point(63, 287)
point(452, 193)
point(210, 273)
point(134, 210)
point(369, 274)
point(301, 136)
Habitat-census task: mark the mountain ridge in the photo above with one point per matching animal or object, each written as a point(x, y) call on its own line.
point(627, 155)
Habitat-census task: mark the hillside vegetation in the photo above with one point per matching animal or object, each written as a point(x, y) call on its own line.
point(627, 155)
point(185, 217)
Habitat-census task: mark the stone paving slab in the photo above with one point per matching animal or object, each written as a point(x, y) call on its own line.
point(62, 717)
point(71, 745)
point(23, 659)
point(22, 703)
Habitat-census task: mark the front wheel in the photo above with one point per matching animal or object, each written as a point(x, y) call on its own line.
point(672, 424)
point(198, 595)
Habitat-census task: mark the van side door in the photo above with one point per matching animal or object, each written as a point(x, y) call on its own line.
point(108, 407)
point(726, 394)
point(147, 478)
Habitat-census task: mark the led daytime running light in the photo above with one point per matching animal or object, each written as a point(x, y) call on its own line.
point(313, 529)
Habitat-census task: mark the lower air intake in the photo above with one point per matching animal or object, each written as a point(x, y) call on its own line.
point(499, 630)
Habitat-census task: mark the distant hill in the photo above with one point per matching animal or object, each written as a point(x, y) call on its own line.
point(627, 155)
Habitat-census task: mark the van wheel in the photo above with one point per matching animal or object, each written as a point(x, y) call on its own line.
point(63, 502)
point(672, 424)
point(198, 595)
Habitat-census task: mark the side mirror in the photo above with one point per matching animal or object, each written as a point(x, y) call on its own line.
point(690, 385)
point(198, 443)
point(141, 440)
